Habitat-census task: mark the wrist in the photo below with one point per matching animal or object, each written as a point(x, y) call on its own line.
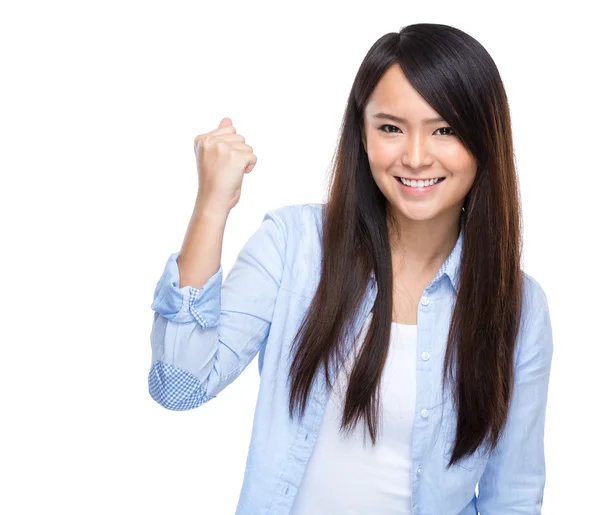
point(205, 208)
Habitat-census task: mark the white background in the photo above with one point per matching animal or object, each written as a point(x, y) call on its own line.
point(99, 106)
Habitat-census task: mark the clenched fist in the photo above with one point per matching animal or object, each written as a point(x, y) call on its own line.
point(222, 159)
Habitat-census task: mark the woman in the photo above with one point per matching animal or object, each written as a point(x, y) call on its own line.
point(397, 303)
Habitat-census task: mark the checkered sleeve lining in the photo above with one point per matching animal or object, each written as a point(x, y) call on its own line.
point(194, 294)
point(174, 388)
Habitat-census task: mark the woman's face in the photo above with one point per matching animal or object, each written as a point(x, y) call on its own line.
point(414, 148)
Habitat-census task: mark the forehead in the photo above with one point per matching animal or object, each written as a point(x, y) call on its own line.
point(394, 94)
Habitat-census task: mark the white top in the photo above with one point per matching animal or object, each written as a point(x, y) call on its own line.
point(345, 477)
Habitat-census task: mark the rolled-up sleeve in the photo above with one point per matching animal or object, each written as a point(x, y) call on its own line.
point(203, 338)
point(515, 475)
point(187, 305)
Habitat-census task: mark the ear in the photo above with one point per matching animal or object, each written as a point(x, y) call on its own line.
point(363, 138)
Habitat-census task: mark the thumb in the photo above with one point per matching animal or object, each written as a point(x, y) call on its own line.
point(225, 122)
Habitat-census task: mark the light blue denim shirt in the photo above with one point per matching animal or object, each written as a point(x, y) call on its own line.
point(202, 339)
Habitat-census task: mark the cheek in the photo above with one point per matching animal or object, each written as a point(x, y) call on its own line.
point(459, 162)
point(380, 155)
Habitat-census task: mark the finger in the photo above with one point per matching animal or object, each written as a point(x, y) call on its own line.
point(216, 132)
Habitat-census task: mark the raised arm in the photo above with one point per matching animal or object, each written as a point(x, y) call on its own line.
point(206, 331)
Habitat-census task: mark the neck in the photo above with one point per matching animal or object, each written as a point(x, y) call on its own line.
point(421, 246)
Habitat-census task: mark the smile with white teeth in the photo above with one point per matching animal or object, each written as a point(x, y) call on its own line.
point(420, 183)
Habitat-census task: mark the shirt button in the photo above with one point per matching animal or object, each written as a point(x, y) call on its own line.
point(419, 471)
point(424, 413)
point(425, 301)
point(425, 356)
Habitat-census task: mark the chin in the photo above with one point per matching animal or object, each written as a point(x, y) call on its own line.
point(416, 214)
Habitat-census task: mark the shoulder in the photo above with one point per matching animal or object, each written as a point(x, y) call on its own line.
point(535, 301)
point(298, 212)
point(299, 219)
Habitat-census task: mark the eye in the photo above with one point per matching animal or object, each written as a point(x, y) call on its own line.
point(387, 125)
point(446, 128)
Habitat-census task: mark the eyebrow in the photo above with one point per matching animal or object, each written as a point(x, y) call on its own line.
point(399, 119)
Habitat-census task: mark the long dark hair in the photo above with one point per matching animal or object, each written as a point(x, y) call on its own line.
point(459, 79)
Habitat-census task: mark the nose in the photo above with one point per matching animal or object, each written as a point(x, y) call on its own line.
point(415, 152)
